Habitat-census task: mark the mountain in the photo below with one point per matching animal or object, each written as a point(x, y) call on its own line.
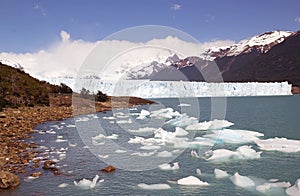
point(269, 57)
point(18, 88)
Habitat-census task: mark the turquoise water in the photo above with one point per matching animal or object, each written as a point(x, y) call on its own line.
point(273, 116)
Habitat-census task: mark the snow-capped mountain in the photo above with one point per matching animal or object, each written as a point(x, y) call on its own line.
point(12, 64)
point(261, 43)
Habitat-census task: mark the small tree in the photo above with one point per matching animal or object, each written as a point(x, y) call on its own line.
point(65, 89)
point(101, 97)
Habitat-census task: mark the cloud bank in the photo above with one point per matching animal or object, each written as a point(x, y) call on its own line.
point(64, 58)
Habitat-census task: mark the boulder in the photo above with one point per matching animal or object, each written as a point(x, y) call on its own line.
point(108, 169)
point(8, 180)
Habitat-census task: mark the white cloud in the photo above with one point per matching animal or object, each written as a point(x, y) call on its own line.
point(175, 7)
point(297, 19)
point(40, 9)
point(65, 57)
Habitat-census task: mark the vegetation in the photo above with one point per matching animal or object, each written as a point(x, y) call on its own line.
point(18, 88)
point(101, 97)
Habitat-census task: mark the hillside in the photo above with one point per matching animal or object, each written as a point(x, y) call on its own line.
point(18, 88)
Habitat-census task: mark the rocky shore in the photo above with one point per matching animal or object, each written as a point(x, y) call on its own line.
point(17, 124)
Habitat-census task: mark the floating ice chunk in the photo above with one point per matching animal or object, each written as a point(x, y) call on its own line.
point(129, 121)
point(82, 119)
point(72, 145)
point(182, 121)
point(59, 137)
point(103, 156)
point(180, 132)
point(279, 144)
point(243, 152)
point(200, 141)
point(241, 181)
point(154, 186)
point(195, 154)
point(143, 114)
point(184, 105)
point(267, 186)
point(234, 136)
point(87, 184)
point(220, 173)
point(99, 139)
point(165, 154)
point(142, 130)
point(294, 190)
point(112, 137)
point(198, 171)
point(136, 140)
point(191, 181)
point(63, 185)
point(143, 154)
point(70, 126)
point(209, 125)
point(109, 117)
point(60, 140)
point(166, 166)
point(164, 113)
point(120, 151)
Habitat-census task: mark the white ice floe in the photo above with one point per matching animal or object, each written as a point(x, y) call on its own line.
point(209, 125)
point(120, 151)
point(182, 120)
point(243, 152)
point(195, 154)
point(241, 181)
point(165, 113)
point(100, 139)
point(129, 121)
point(143, 114)
point(72, 145)
point(154, 186)
point(142, 130)
point(234, 136)
point(191, 181)
point(109, 118)
point(70, 126)
point(179, 132)
point(88, 184)
point(82, 119)
point(279, 144)
point(184, 105)
point(220, 173)
point(143, 154)
point(167, 166)
point(164, 154)
point(271, 185)
point(198, 171)
point(103, 156)
point(60, 140)
point(63, 185)
point(294, 190)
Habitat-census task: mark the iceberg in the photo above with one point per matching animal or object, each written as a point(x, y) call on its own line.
point(209, 125)
point(269, 185)
point(198, 171)
point(182, 121)
point(63, 185)
point(88, 184)
point(241, 181)
point(279, 144)
point(294, 190)
point(234, 136)
point(191, 181)
point(154, 186)
point(243, 152)
point(220, 173)
point(164, 154)
point(167, 166)
point(180, 132)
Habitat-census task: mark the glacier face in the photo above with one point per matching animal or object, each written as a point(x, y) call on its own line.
point(169, 89)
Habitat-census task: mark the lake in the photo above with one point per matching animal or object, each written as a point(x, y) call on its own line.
point(81, 150)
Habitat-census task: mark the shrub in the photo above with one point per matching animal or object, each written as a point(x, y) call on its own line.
point(101, 97)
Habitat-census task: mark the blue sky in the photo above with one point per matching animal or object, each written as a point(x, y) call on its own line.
point(31, 25)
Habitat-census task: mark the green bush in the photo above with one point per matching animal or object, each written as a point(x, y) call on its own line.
point(101, 97)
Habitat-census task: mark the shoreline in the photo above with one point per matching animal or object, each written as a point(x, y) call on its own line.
point(17, 124)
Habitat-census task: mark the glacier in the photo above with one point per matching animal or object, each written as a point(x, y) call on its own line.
point(175, 89)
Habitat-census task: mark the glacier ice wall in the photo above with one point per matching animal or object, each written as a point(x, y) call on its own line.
point(166, 89)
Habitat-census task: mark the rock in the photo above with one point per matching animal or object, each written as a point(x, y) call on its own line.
point(2, 115)
point(8, 180)
point(108, 169)
point(48, 164)
point(36, 174)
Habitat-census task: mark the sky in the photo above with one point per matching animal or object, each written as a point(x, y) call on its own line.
point(31, 27)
